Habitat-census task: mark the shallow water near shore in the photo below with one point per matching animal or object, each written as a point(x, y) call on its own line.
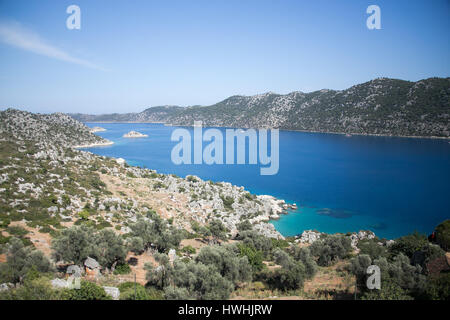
point(392, 186)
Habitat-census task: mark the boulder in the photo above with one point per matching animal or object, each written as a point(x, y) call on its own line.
point(6, 286)
point(309, 236)
point(91, 263)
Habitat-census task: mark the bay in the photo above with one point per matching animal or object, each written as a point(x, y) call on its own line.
point(390, 185)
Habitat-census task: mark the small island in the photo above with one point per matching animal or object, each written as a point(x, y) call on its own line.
point(97, 129)
point(134, 134)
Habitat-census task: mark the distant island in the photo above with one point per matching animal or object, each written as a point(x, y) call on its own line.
point(97, 129)
point(383, 106)
point(134, 134)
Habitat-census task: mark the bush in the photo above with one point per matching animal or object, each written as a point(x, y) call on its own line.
point(408, 244)
point(108, 248)
point(175, 293)
point(438, 287)
point(84, 214)
point(227, 202)
point(136, 245)
point(255, 257)
point(227, 262)
point(218, 229)
point(128, 292)
point(201, 282)
point(20, 260)
point(290, 276)
point(399, 271)
point(372, 248)
point(77, 243)
point(189, 250)
point(191, 179)
point(156, 232)
point(389, 291)
point(254, 239)
point(330, 249)
point(74, 244)
point(244, 226)
point(122, 269)
point(188, 280)
point(443, 235)
point(304, 256)
point(35, 289)
point(88, 291)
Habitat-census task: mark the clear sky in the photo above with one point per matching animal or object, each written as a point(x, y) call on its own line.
point(130, 55)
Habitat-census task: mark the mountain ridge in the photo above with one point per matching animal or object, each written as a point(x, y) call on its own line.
point(382, 106)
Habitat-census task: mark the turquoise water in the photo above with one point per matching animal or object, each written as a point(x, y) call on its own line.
point(391, 186)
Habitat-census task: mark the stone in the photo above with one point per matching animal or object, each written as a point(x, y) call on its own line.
point(134, 134)
point(6, 286)
point(91, 263)
point(309, 236)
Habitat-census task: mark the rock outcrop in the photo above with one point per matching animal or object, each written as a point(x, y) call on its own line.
point(134, 134)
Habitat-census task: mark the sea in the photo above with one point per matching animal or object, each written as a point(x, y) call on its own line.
point(390, 185)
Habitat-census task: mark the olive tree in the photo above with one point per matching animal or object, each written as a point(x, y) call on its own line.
point(74, 244)
point(20, 260)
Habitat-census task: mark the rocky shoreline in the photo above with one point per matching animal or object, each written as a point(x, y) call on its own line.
point(92, 145)
point(134, 134)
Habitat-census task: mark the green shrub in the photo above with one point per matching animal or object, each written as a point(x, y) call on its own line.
point(290, 276)
point(226, 260)
point(36, 289)
point(408, 244)
point(227, 202)
point(20, 260)
point(192, 179)
point(132, 291)
point(122, 269)
point(77, 243)
point(255, 257)
point(372, 248)
point(188, 250)
point(389, 291)
point(88, 291)
point(443, 235)
point(438, 287)
point(218, 229)
point(17, 231)
point(330, 249)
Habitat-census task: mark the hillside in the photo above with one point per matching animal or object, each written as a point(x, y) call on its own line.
point(381, 106)
point(183, 238)
point(54, 129)
point(154, 114)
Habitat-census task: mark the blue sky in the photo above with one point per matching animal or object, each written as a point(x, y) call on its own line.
point(130, 55)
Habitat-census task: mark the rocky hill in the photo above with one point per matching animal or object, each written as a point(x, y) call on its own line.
point(56, 129)
point(154, 114)
point(381, 106)
point(38, 163)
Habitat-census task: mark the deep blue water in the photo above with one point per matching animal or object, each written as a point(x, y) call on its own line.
point(391, 186)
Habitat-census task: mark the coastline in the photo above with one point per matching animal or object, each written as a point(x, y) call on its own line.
point(277, 208)
point(92, 145)
point(288, 130)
